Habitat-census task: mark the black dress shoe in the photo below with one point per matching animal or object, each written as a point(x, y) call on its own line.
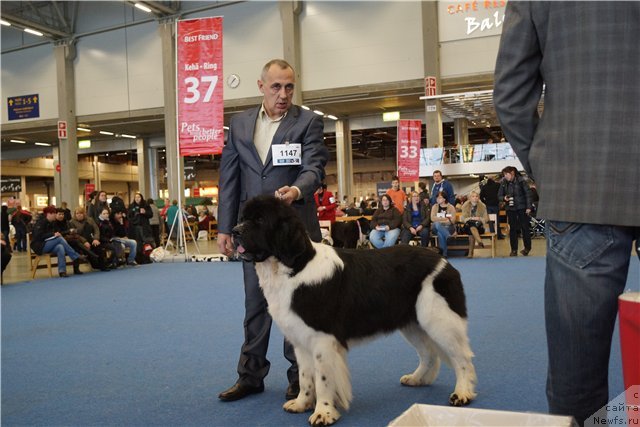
point(63, 274)
point(513, 253)
point(239, 391)
point(525, 252)
point(293, 390)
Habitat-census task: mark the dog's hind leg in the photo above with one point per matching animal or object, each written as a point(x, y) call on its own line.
point(449, 332)
point(333, 384)
point(429, 366)
point(307, 394)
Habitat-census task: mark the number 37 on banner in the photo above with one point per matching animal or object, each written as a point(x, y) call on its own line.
point(194, 86)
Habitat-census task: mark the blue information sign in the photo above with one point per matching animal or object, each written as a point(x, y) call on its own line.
point(23, 107)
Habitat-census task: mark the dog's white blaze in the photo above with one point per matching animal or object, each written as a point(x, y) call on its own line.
point(278, 288)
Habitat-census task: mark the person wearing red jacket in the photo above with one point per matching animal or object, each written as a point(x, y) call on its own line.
point(325, 204)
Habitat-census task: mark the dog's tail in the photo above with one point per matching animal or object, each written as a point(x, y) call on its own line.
point(343, 378)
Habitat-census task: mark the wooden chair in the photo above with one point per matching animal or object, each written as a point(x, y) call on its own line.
point(213, 229)
point(35, 260)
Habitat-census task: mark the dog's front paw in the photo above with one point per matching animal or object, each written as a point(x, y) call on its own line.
point(460, 399)
point(410, 380)
point(296, 406)
point(324, 416)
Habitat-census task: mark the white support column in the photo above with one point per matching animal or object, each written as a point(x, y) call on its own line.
point(66, 185)
point(344, 154)
point(431, 50)
point(175, 167)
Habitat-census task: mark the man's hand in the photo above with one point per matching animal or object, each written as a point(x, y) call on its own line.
point(288, 194)
point(96, 243)
point(225, 244)
point(87, 245)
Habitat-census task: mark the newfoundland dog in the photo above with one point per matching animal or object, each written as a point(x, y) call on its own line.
point(325, 300)
point(348, 234)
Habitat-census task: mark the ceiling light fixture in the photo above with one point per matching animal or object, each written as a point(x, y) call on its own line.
point(124, 135)
point(142, 7)
point(305, 107)
point(44, 144)
point(18, 141)
point(34, 32)
point(318, 112)
point(3, 22)
point(84, 129)
point(104, 132)
point(332, 117)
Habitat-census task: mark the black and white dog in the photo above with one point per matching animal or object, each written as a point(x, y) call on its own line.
point(325, 299)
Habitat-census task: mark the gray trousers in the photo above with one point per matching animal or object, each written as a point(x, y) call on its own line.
point(253, 365)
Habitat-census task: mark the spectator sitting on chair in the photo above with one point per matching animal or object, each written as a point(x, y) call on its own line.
point(475, 218)
point(88, 233)
point(120, 235)
point(47, 240)
point(385, 224)
point(443, 217)
point(352, 210)
point(203, 221)
point(77, 242)
point(416, 221)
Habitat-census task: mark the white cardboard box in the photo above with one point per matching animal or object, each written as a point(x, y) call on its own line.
point(430, 416)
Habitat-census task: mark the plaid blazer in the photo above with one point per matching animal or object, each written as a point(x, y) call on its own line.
point(584, 151)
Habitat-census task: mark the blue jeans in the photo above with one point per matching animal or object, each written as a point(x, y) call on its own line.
point(61, 248)
point(406, 236)
point(443, 231)
point(384, 239)
point(129, 243)
point(587, 267)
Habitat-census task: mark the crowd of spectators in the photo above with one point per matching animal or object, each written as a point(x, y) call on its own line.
point(440, 213)
point(107, 234)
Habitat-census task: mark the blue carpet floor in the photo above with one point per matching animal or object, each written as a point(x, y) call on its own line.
point(154, 345)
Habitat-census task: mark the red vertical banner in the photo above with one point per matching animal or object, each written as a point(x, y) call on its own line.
point(200, 88)
point(409, 135)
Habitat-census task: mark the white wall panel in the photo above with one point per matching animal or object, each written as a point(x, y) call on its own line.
point(356, 43)
point(469, 57)
point(101, 74)
point(30, 71)
point(144, 53)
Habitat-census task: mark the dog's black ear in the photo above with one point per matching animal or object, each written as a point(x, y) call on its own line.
point(292, 245)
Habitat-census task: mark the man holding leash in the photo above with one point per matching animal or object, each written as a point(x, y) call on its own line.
point(276, 148)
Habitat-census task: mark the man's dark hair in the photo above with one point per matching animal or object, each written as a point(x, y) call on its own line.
point(395, 178)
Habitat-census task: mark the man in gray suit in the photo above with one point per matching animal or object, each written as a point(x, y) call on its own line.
point(584, 154)
point(255, 162)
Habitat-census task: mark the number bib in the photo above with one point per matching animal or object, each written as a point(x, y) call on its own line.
point(286, 154)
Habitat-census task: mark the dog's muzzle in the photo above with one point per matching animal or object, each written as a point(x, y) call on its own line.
point(236, 235)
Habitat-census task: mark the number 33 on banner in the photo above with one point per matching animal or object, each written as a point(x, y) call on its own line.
point(408, 152)
point(193, 88)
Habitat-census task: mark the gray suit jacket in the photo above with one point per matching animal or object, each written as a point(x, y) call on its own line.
point(584, 151)
point(243, 175)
